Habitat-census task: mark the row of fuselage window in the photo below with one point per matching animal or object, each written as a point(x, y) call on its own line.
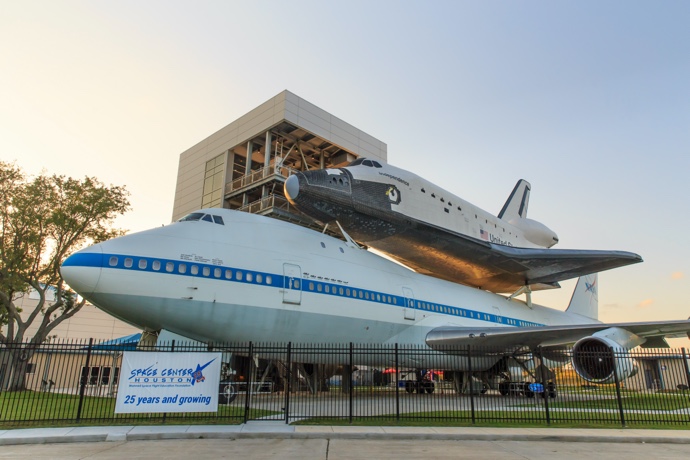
point(238, 275)
point(181, 268)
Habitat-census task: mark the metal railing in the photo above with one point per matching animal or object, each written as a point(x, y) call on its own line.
point(267, 203)
point(258, 176)
point(76, 381)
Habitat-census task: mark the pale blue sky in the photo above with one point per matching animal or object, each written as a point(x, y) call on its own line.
point(588, 100)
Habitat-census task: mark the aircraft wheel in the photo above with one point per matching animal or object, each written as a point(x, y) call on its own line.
point(527, 392)
point(409, 386)
point(504, 388)
point(429, 387)
point(551, 388)
point(227, 392)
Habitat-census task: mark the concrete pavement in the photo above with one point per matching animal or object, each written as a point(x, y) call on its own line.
point(278, 430)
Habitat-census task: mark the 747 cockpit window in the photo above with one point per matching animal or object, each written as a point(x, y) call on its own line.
point(192, 217)
point(196, 216)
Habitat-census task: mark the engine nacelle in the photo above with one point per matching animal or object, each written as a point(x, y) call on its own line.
point(600, 359)
point(536, 232)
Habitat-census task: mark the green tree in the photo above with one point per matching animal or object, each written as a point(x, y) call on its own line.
point(44, 219)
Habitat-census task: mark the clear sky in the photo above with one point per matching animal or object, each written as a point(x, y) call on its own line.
point(588, 100)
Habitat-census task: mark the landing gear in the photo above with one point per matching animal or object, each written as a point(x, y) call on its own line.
point(550, 390)
point(419, 386)
point(527, 389)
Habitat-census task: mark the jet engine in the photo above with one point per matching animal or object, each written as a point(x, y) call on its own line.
point(536, 232)
point(601, 358)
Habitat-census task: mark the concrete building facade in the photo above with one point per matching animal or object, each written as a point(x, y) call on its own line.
point(244, 165)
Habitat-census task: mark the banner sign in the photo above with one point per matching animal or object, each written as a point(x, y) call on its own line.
point(168, 382)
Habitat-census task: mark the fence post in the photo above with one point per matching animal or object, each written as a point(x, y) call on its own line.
point(544, 386)
point(82, 387)
point(350, 379)
point(618, 386)
point(288, 386)
point(397, 385)
point(172, 350)
point(685, 364)
point(469, 366)
point(249, 383)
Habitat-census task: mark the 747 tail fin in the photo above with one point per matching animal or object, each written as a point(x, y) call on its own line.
point(585, 300)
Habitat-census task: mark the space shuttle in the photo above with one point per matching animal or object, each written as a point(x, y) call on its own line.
point(437, 233)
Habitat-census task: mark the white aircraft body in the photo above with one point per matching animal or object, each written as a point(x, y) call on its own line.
point(439, 234)
point(226, 276)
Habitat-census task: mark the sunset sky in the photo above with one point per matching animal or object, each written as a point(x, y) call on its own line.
point(588, 100)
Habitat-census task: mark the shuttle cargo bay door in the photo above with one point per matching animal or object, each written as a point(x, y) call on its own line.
point(292, 287)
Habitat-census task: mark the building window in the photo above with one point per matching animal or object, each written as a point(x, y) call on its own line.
point(213, 183)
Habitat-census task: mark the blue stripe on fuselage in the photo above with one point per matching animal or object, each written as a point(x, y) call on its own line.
point(122, 262)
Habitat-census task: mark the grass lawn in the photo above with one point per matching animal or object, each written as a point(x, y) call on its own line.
point(34, 409)
point(54, 409)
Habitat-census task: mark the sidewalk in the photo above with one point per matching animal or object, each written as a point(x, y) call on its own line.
point(276, 430)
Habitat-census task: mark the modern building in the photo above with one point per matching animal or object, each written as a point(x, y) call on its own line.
point(661, 372)
point(244, 165)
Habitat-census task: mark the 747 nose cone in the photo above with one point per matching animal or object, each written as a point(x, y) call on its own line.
point(82, 270)
point(291, 188)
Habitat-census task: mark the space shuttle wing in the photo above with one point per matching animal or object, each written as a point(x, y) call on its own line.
point(549, 266)
point(460, 258)
point(507, 338)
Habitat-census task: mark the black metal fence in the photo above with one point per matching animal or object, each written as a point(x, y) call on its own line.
point(77, 382)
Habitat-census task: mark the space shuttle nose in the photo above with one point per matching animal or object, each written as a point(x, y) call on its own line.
point(82, 270)
point(292, 188)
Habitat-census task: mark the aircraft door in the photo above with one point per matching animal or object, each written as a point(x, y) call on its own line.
point(497, 314)
point(410, 312)
point(292, 287)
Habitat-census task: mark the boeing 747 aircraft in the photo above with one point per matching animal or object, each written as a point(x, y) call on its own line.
point(439, 234)
point(218, 275)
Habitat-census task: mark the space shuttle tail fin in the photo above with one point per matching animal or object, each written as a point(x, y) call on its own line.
point(516, 206)
point(585, 300)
